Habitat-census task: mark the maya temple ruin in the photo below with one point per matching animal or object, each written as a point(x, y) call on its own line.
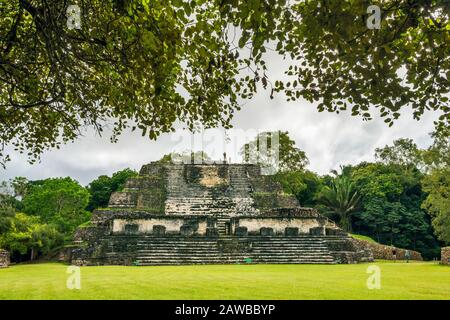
point(209, 214)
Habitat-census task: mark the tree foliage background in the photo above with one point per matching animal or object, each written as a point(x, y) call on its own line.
point(25, 236)
point(401, 199)
point(144, 64)
point(59, 201)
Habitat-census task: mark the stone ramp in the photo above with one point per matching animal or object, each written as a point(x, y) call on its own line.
point(232, 250)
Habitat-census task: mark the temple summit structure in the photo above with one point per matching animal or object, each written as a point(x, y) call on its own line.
point(175, 214)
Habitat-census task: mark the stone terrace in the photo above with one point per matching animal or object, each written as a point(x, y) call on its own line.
point(209, 213)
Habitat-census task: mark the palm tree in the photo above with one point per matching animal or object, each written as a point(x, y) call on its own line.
point(342, 199)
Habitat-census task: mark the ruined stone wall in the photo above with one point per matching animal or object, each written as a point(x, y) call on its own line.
point(104, 216)
point(87, 233)
point(146, 191)
point(146, 225)
point(267, 194)
point(4, 258)
point(270, 200)
point(384, 252)
point(265, 184)
point(278, 225)
point(445, 256)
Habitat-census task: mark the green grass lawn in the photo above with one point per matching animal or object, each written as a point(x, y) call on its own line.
point(399, 280)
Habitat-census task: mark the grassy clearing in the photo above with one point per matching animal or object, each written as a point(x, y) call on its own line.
point(399, 280)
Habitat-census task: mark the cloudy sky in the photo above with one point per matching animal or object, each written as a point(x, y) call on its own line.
point(328, 139)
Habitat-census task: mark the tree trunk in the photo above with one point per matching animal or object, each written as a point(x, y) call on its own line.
point(346, 223)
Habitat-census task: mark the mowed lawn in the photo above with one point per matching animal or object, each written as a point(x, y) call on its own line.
point(399, 280)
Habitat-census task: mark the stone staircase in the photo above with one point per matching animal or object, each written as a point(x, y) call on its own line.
point(152, 250)
point(221, 225)
point(192, 198)
point(239, 181)
point(295, 250)
point(177, 251)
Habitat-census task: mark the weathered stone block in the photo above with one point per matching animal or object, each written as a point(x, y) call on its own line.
point(159, 230)
point(381, 251)
point(291, 232)
point(241, 231)
point(186, 230)
point(152, 200)
point(89, 233)
point(317, 231)
point(212, 232)
point(335, 232)
point(4, 259)
point(266, 232)
point(269, 200)
point(154, 168)
point(123, 199)
point(445, 256)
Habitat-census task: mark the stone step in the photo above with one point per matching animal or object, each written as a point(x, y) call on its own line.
point(204, 205)
point(285, 260)
point(166, 247)
point(255, 246)
point(257, 252)
point(193, 243)
point(293, 249)
point(236, 258)
point(156, 263)
point(257, 238)
point(232, 261)
point(197, 204)
point(182, 202)
point(199, 195)
point(285, 242)
point(255, 242)
point(149, 241)
point(218, 253)
point(212, 253)
point(197, 207)
point(221, 257)
point(213, 247)
point(290, 247)
point(294, 242)
point(212, 256)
